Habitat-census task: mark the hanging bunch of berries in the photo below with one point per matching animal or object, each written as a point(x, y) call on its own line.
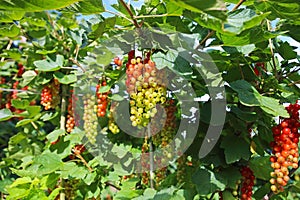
point(101, 99)
point(112, 126)
point(145, 85)
point(145, 162)
point(90, 117)
point(247, 183)
point(285, 148)
point(70, 124)
point(50, 97)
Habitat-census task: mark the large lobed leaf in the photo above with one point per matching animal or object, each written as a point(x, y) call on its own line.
point(34, 5)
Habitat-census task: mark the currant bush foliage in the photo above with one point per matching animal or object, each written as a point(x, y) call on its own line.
point(51, 50)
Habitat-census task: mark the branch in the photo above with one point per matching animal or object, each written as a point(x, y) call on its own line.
point(120, 15)
point(7, 48)
point(151, 157)
point(272, 52)
point(63, 108)
point(153, 16)
point(238, 5)
point(84, 162)
point(77, 63)
point(130, 13)
point(294, 83)
point(53, 26)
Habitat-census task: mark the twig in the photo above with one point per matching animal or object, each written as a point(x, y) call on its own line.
point(241, 71)
point(238, 5)
point(84, 162)
point(119, 14)
point(114, 186)
point(53, 26)
point(63, 108)
point(152, 16)
point(130, 13)
point(294, 83)
point(7, 48)
point(151, 157)
point(77, 63)
point(272, 51)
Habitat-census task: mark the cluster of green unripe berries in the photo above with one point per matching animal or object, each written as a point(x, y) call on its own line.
point(90, 117)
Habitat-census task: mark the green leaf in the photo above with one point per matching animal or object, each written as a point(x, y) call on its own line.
point(49, 65)
point(54, 135)
point(65, 78)
point(12, 53)
point(235, 149)
point(242, 19)
point(34, 5)
point(246, 116)
point(249, 96)
point(87, 7)
point(116, 97)
point(72, 170)
point(5, 114)
point(49, 162)
point(20, 181)
point(285, 9)
point(249, 36)
point(20, 104)
point(207, 181)
point(33, 111)
point(53, 195)
point(10, 16)
point(16, 139)
point(28, 76)
point(104, 89)
point(100, 28)
point(228, 195)
point(286, 51)
point(231, 175)
point(261, 167)
point(9, 31)
point(216, 8)
point(272, 106)
point(165, 60)
point(24, 122)
point(245, 92)
point(45, 52)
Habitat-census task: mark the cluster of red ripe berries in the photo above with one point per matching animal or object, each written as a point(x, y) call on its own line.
point(101, 100)
point(50, 94)
point(247, 183)
point(285, 148)
point(70, 117)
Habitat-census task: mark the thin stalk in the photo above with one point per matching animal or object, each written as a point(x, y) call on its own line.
point(151, 157)
point(119, 14)
point(272, 51)
point(7, 48)
point(130, 13)
point(63, 108)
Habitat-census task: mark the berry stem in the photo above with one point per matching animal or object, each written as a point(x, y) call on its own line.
point(151, 156)
point(63, 108)
point(84, 162)
point(130, 13)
